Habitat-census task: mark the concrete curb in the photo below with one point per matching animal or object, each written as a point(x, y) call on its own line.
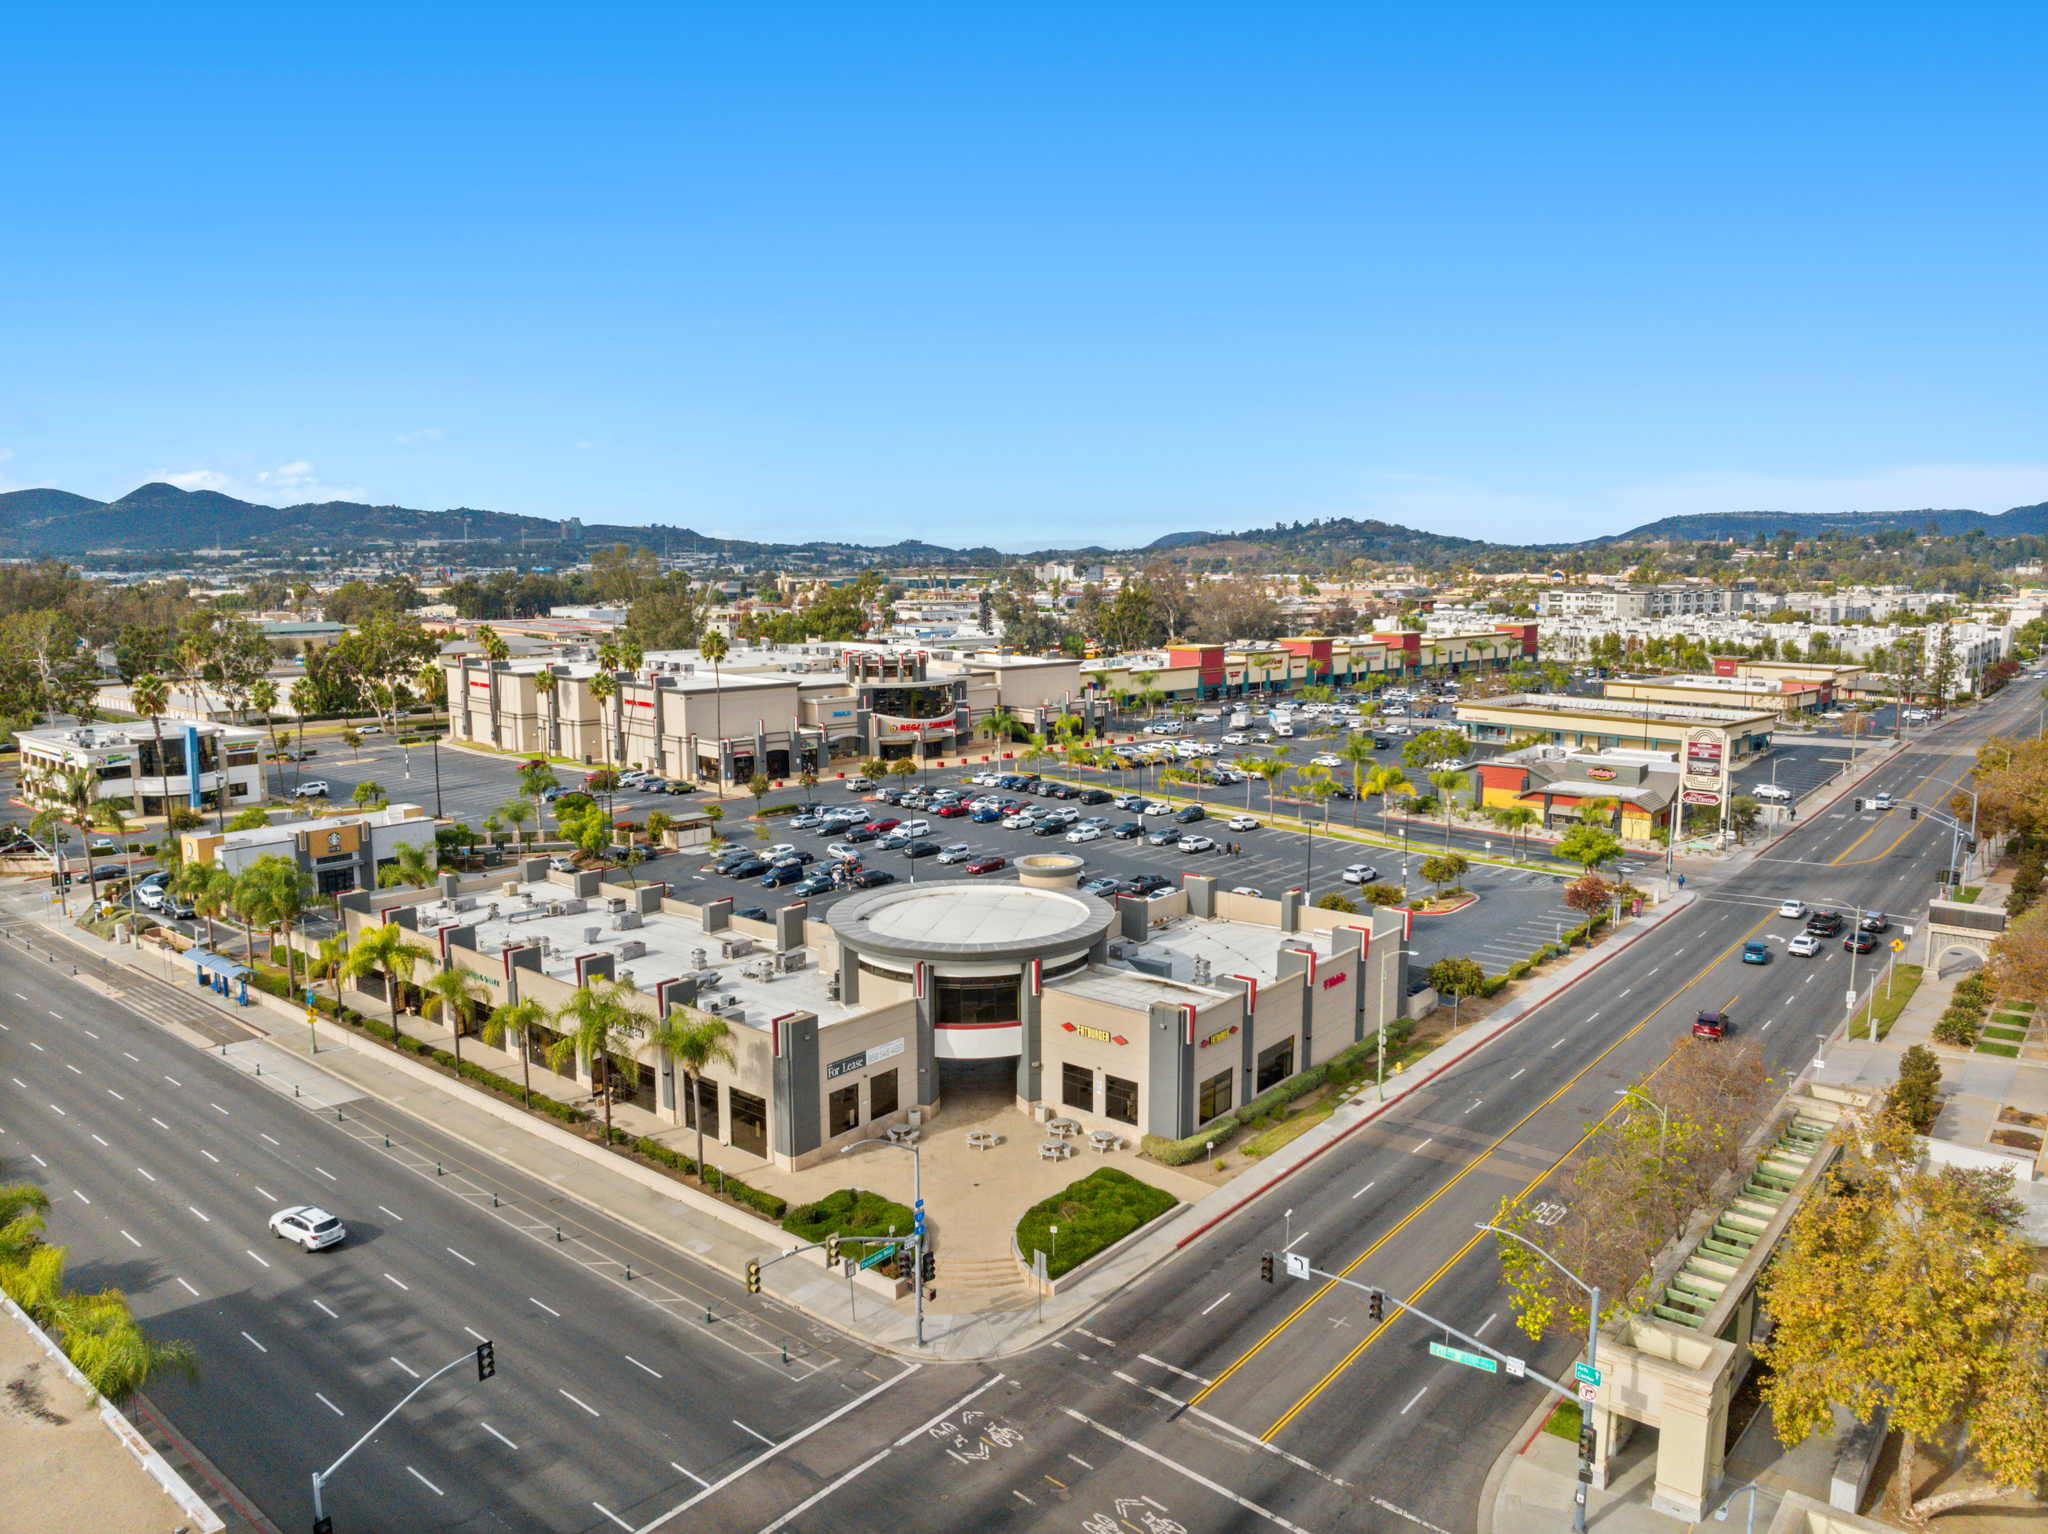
point(1518, 1445)
point(1314, 1145)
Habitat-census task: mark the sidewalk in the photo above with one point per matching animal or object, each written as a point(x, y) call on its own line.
point(694, 1225)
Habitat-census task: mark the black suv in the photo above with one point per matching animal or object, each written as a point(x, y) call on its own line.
point(1824, 923)
point(1129, 830)
point(1097, 796)
point(1192, 813)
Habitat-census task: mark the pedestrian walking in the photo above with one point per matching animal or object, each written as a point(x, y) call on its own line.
point(1681, 881)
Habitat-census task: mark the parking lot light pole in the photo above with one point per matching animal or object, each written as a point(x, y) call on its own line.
point(917, 1228)
point(1592, 1362)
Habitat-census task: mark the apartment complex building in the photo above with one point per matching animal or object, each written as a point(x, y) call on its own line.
point(1202, 672)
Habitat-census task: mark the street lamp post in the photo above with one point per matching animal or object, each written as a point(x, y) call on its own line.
point(1663, 1120)
point(917, 1227)
point(1721, 1512)
point(1592, 1362)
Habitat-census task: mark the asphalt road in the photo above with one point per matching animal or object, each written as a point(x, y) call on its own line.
point(613, 1400)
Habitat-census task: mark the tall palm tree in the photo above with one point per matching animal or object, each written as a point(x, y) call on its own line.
point(151, 695)
point(1448, 780)
point(597, 1024)
point(520, 1018)
point(207, 887)
point(544, 683)
point(1384, 782)
point(714, 648)
point(305, 697)
point(601, 687)
point(694, 1041)
point(450, 993)
point(516, 813)
point(388, 949)
point(325, 963)
point(263, 698)
point(1268, 767)
point(1001, 723)
point(77, 790)
point(1515, 819)
point(1357, 753)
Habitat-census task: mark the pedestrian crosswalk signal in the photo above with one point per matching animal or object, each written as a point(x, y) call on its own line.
point(753, 1275)
point(1266, 1266)
point(1375, 1306)
point(486, 1361)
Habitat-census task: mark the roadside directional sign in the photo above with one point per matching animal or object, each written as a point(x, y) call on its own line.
point(1460, 1356)
point(876, 1259)
point(1297, 1265)
point(1587, 1373)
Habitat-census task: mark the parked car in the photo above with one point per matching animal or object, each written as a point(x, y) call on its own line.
point(870, 878)
point(1129, 830)
point(987, 863)
point(1771, 793)
point(921, 850)
point(1756, 953)
point(959, 852)
point(312, 788)
point(1804, 946)
point(1096, 796)
point(1146, 884)
point(1085, 834)
point(1246, 889)
point(1197, 844)
point(860, 785)
point(1099, 885)
point(749, 868)
point(1189, 814)
point(753, 912)
point(1243, 823)
point(816, 884)
point(1165, 836)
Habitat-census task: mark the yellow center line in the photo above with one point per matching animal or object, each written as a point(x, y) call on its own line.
point(1911, 825)
point(1472, 1166)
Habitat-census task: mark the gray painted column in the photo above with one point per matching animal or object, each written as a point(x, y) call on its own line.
point(1170, 1100)
point(1348, 944)
point(796, 1124)
point(1292, 961)
point(1201, 892)
point(789, 924)
point(849, 975)
point(927, 1085)
point(1030, 1058)
point(717, 914)
point(1290, 910)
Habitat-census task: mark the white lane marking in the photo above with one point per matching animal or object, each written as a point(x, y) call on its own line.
point(819, 1495)
point(798, 1437)
point(1652, 972)
point(565, 1394)
point(508, 1443)
point(1560, 1041)
point(424, 1481)
point(326, 1174)
point(158, 1122)
point(19, 1082)
point(1096, 1335)
point(548, 1308)
point(480, 1337)
point(1175, 1369)
point(406, 1287)
point(89, 1033)
point(80, 1196)
point(254, 1258)
point(323, 1306)
point(145, 1174)
point(702, 1482)
point(615, 1518)
point(262, 1190)
point(73, 1069)
point(1080, 1461)
point(1022, 1498)
point(1198, 1479)
point(1475, 1105)
point(103, 1142)
point(329, 1404)
point(1417, 1396)
point(1480, 1330)
point(398, 1217)
point(408, 1368)
point(267, 1137)
point(1624, 995)
point(1419, 1147)
point(942, 1416)
point(117, 1097)
point(1517, 1073)
point(1361, 1193)
point(1767, 1026)
point(1214, 1303)
point(174, 1081)
point(639, 1365)
point(130, 1239)
point(210, 1156)
point(470, 1260)
point(136, 1058)
point(1592, 1017)
point(259, 1347)
point(189, 1289)
point(58, 1015)
point(755, 1431)
point(32, 1044)
point(201, 1216)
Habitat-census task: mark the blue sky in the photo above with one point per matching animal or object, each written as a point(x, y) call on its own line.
point(1043, 276)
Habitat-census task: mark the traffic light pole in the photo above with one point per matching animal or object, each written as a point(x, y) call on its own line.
point(486, 1365)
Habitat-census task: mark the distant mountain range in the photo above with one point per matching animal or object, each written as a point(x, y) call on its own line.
point(163, 519)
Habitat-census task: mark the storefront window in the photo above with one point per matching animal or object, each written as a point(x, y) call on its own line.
point(979, 999)
point(1077, 1087)
point(707, 1107)
point(1215, 1097)
point(1119, 1099)
point(881, 1094)
point(1276, 1064)
point(749, 1122)
point(842, 1111)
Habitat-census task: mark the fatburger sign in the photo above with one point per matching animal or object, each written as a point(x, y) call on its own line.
point(1602, 773)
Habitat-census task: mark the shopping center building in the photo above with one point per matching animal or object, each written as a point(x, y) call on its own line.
point(1143, 1017)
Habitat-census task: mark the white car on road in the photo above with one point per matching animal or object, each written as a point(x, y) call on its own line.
point(309, 1225)
point(312, 788)
point(1771, 793)
point(1804, 946)
point(1796, 908)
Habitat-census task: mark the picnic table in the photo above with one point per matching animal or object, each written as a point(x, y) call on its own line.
point(982, 1139)
point(1052, 1150)
point(1063, 1127)
point(904, 1134)
point(1105, 1140)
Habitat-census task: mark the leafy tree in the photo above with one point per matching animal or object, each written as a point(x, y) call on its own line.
point(597, 1024)
point(253, 818)
point(368, 794)
point(1912, 1288)
point(1445, 868)
point(450, 993)
point(1589, 846)
point(410, 866)
point(1382, 895)
point(2019, 958)
point(1336, 902)
point(1914, 1095)
point(905, 767)
point(385, 948)
point(1456, 976)
point(1589, 895)
point(519, 1018)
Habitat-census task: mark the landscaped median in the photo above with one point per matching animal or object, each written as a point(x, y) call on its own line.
point(1086, 1218)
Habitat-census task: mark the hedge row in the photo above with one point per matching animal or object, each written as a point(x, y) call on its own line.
point(1196, 1146)
point(467, 1070)
point(731, 1187)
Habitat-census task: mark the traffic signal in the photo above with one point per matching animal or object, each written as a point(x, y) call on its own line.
point(1859, 806)
point(1266, 1266)
point(927, 1265)
point(1375, 1306)
point(832, 1249)
point(753, 1275)
point(1589, 1441)
point(323, 1525)
point(486, 1361)
point(1912, 812)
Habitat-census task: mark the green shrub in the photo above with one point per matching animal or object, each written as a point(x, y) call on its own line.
point(776, 809)
point(1093, 1214)
point(1492, 985)
point(1951, 1028)
point(856, 1216)
point(1973, 990)
point(769, 1204)
point(1519, 968)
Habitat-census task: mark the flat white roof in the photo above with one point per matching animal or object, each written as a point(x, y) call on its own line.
point(1231, 947)
point(979, 914)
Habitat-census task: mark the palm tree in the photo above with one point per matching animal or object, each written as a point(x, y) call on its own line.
point(1515, 819)
point(77, 790)
point(263, 698)
point(694, 1041)
point(1449, 780)
point(411, 866)
point(305, 697)
point(516, 813)
point(1385, 782)
point(713, 647)
point(151, 695)
point(1268, 767)
point(104, 1343)
point(449, 993)
point(520, 1018)
point(208, 887)
point(1357, 751)
point(1001, 723)
point(493, 644)
point(325, 963)
point(600, 687)
point(596, 1024)
point(1034, 751)
point(1317, 784)
point(544, 683)
point(367, 792)
point(385, 948)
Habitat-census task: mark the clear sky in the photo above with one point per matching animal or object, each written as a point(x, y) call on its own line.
point(1031, 275)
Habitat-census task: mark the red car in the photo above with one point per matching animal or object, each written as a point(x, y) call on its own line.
point(987, 865)
point(948, 811)
point(886, 823)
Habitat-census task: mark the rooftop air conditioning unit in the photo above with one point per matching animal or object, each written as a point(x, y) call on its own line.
point(558, 908)
point(625, 921)
point(696, 959)
point(592, 934)
point(615, 904)
point(633, 948)
point(463, 903)
point(790, 960)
